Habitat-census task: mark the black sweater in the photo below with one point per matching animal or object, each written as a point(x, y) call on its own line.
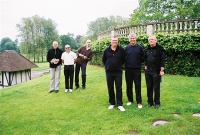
point(155, 57)
point(54, 53)
point(113, 60)
point(134, 56)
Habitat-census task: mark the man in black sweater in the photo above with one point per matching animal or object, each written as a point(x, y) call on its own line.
point(134, 55)
point(113, 59)
point(54, 59)
point(154, 68)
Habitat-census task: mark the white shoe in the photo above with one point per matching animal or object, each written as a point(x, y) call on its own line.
point(70, 90)
point(139, 106)
point(66, 90)
point(129, 103)
point(110, 107)
point(121, 108)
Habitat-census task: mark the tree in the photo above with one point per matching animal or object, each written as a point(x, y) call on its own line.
point(105, 23)
point(78, 40)
point(68, 39)
point(37, 35)
point(8, 44)
point(165, 10)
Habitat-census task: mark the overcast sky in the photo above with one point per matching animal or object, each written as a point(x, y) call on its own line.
point(70, 15)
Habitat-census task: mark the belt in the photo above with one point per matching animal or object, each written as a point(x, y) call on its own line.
point(68, 65)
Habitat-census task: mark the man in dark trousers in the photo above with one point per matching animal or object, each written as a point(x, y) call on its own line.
point(134, 55)
point(54, 59)
point(113, 59)
point(84, 54)
point(68, 58)
point(154, 68)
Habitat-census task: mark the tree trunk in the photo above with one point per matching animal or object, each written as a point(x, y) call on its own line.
point(42, 55)
point(34, 55)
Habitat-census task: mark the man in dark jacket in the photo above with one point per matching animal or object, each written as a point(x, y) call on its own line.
point(154, 68)
point(113, 59)
point(84, 54)
point(54, 59)
point(134, 55)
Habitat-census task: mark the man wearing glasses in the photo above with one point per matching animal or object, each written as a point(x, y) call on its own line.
point(68, 58)
point(84, 54)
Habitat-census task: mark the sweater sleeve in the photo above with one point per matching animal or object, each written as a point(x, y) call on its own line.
point(104, 58)
point(48, 56)
point(90, 56)
point(162, 58)
point(79, 51)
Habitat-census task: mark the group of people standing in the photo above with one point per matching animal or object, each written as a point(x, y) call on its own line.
point(56, 57)
point(115, 58)
point(131, 57)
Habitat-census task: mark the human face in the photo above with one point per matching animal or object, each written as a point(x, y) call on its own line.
point(114, 41)
point(88, 43)
point(132, 40)
point(152, 41)
point(55, 44)
point(67, 48)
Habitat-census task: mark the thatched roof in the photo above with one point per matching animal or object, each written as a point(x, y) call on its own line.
point(13, 61)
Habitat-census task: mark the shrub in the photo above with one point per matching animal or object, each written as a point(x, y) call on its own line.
point(182, 51)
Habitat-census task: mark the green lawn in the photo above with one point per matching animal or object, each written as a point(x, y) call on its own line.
point(41, 66)
point(28, 108)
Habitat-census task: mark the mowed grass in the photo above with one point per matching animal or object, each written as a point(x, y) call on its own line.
point(41, 66)
point(28, 108)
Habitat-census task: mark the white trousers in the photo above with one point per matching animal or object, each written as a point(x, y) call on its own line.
point(55, 78)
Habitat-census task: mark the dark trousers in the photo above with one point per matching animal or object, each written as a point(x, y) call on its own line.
point(69, 76)
point(153, 86)
point(133, 75)
point(77, 70)
point(114, 78)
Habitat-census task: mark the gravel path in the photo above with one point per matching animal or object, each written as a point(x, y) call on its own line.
point(35, 74)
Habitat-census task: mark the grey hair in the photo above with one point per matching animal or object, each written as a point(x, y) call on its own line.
point(152, 36)
point(132, 35)
point(55, 42)
point(67, 45)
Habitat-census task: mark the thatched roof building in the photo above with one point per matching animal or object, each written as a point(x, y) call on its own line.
point(14, 68)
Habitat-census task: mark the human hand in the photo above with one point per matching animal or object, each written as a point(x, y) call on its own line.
point(162, 73)
point(81, 55)
point(85, 57)
point(57, 60)
point(52, 61)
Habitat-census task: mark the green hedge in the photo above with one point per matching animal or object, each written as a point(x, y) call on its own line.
point(182, 50)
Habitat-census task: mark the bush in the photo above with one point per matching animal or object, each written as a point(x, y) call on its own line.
point(182, 50)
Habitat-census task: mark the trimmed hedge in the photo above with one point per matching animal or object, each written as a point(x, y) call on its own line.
point(182, 50)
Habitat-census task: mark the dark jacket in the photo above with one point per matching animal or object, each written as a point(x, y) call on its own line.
point(155, 57)
point(87, 53)
point(113, 60)
point(134, 56)
point(54, 53)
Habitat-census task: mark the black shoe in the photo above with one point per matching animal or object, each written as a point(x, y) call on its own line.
point(56, 91)
point(83, 87)
point(156, 106)
point(51, 91)
point(77, 87)
point(149, 105)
